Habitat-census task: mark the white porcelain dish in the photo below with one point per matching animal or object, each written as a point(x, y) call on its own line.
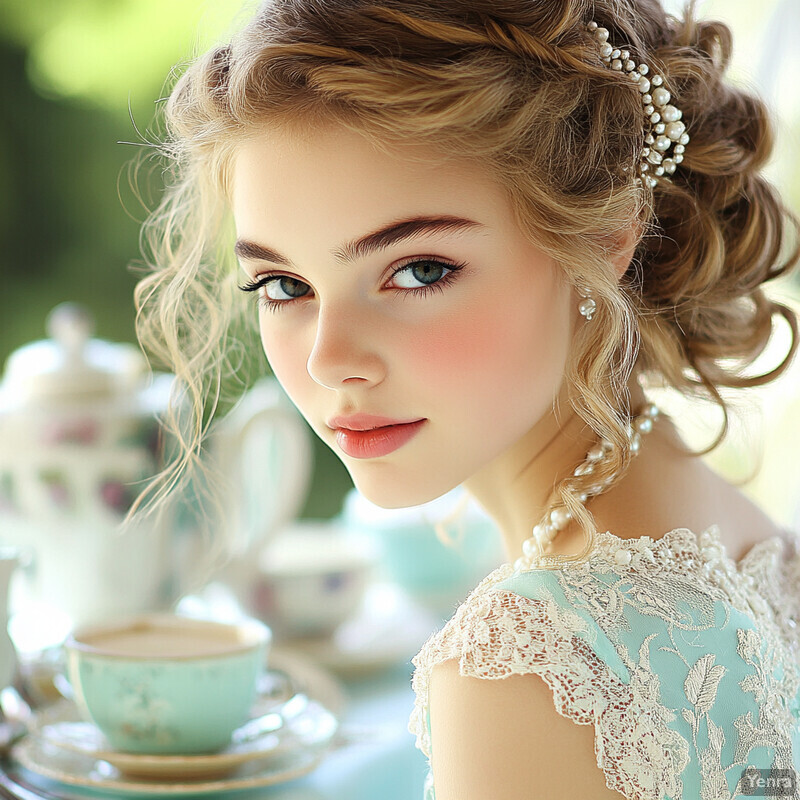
point(311, 725)
point(52, 762)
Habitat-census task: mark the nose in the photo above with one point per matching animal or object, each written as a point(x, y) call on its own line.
point(345, 351)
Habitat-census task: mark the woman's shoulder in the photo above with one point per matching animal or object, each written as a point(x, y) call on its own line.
point(511, 624)
point(543, 662)
point(507, 608)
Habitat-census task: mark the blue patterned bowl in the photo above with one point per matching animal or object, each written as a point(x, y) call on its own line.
point(165, 683)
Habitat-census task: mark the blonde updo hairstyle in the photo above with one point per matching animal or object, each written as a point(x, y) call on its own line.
point(518, 86)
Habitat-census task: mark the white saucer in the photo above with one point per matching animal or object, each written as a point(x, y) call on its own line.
point(55, 763)
point(62, 727)
point(85, 739)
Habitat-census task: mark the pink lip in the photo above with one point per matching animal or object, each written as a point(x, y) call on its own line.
point(365, 422)
point(378, 441)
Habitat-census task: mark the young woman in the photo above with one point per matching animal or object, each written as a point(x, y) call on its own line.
point(474, 231)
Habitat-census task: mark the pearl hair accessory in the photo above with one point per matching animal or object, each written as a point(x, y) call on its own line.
point(664, 126)
point(533, 548)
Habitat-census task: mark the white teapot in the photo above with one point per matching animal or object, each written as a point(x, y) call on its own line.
point(80, 438)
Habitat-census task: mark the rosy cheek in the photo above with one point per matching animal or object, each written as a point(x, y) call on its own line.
point(442, 350)
point(481, 345)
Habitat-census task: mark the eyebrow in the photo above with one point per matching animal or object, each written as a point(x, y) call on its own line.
point(380, 239)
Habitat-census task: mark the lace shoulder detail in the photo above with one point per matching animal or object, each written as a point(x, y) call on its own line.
point(498, 633)
point(619, 638)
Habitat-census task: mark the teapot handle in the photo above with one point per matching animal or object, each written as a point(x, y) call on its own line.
point(266, 506)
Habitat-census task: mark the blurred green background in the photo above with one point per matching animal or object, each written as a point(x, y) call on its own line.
point(81, 81)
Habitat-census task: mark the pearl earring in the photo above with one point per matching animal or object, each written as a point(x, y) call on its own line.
point(587, 307)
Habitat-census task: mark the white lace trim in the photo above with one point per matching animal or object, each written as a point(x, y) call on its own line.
point(496, 633)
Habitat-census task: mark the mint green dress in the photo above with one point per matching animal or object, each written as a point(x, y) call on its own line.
point(686, 663)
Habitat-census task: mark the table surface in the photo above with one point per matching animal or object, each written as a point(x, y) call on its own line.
point(384, 763)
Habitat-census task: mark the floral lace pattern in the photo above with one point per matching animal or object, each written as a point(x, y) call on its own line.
point(724, 635)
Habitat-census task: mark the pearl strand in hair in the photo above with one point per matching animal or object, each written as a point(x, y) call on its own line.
point(664, 129)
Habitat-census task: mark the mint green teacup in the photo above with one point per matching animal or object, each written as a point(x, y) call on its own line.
point(166, 683)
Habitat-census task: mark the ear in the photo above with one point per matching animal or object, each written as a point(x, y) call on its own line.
point(625, 249)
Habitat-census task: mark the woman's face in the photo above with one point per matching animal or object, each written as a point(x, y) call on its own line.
point(403, 289)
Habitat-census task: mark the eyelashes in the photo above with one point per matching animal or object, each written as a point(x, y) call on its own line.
point(450, 274)
point(268, 280)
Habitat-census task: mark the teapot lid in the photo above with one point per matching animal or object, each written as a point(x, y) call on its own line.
point(71, 365)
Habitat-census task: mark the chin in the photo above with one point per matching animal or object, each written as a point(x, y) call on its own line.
point(388, 494)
